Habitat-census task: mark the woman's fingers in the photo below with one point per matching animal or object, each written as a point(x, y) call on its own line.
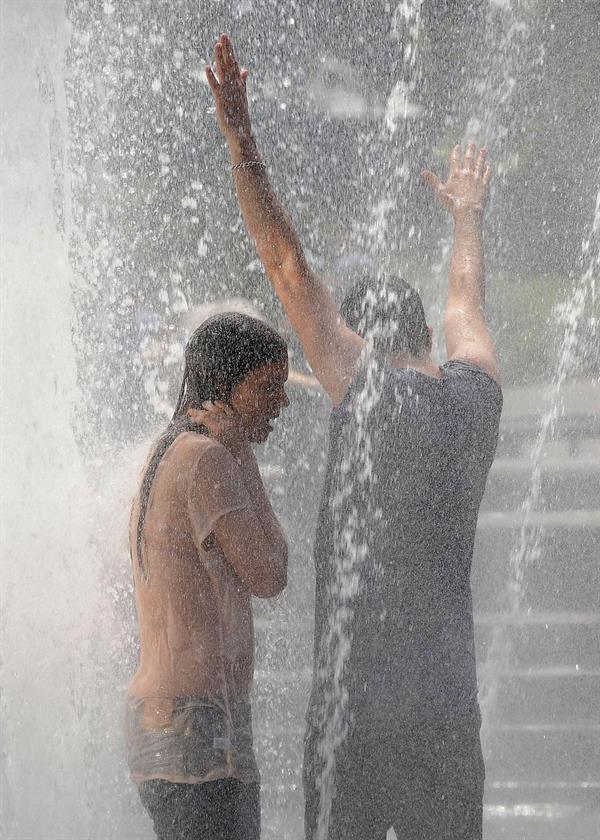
point(487, 174)
point(226, 409)
point(218, 408)
point(208, 416)
point(197, 415)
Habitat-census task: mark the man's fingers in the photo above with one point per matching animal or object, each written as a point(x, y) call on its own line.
point(244, 73)
point(454, 161)
point(470, 157)
point(487, 174)
point(480, 165)
point(431, 179)
point(212, 79)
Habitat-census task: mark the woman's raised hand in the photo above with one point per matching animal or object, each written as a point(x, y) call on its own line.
point(229, 90)
point(467, 187)
point(221, 421)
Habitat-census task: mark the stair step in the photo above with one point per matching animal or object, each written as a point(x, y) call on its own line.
point(548, 519)
point(548, 699)
point(567, 483)
point(562, 576)
point(544, 756)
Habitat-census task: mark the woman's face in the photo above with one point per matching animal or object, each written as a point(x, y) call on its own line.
point(259, 398)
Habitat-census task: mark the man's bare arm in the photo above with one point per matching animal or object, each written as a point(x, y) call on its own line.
point(331, 348)
point(464, 195)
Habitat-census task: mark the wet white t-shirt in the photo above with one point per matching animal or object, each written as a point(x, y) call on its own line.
point(188, 711)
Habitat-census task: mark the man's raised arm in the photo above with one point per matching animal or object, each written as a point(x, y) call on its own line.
point(331, 348)
point(464, 195)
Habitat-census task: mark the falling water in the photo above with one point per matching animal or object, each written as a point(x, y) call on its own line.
point(573, 314)
point(68, 637)
point(351, 550)
point(350, 526)
point(391, 152)
point(62, 773)
point(48, 500)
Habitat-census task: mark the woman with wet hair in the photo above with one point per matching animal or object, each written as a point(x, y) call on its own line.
point(203, 539)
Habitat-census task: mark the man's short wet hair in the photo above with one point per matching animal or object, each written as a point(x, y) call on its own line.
point(388, 312)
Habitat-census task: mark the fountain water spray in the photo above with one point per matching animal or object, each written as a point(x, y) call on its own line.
point(504, 53)
point(572, 314)
point(351, 525)
point(62, 770)
point(350, 551)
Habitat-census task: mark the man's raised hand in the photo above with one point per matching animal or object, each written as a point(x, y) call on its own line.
point(228, 87)
point(467, 187)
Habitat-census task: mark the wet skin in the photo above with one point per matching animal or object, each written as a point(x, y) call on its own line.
point(260, 398)
point(254, 402)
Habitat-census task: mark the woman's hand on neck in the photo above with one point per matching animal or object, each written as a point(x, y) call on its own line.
point(223, 425)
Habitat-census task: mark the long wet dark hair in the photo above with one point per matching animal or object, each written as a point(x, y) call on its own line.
point(218, 356)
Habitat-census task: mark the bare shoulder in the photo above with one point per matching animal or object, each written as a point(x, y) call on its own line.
point(195, 447)
point(191, 451)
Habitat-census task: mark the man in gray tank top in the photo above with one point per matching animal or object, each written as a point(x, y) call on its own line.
point(393, 722)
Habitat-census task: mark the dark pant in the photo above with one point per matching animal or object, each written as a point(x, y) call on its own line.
point(426, 781)
point(225, 809)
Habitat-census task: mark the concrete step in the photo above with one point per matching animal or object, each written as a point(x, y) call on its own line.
point(548, 697)
point(540, 820)
point(544, 754)
point(565, 483)
point(544, 644)
point(562, 574)
point(510, 792)
point(572, 434)
point(512, 520)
